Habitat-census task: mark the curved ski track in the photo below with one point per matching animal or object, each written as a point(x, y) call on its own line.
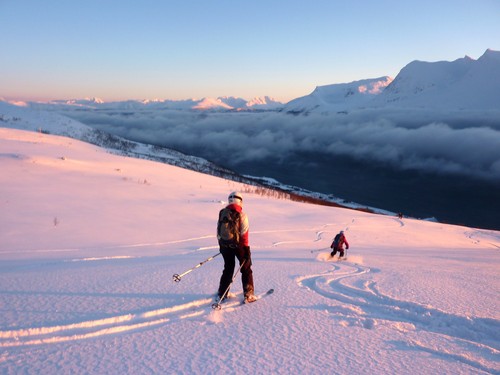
point(361, 303)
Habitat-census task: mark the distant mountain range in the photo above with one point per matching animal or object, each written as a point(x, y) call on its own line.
point(463, 84)
point(225, 103)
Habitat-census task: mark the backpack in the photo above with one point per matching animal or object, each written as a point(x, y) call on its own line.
point(336, 240)
point(228, 227)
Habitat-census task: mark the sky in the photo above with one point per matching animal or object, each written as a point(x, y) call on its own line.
point(119, 50)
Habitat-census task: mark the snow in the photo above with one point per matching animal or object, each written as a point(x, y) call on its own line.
point(90, 241)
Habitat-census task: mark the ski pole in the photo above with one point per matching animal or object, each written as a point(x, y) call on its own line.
point(216, 305)
point(178, 277)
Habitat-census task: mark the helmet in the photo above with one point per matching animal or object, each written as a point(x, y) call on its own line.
point(341, 232)
point(236, 198)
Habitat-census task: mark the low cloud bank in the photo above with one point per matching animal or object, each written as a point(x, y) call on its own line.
point(459, 143)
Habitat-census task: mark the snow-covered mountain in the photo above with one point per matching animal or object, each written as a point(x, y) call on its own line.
point(264, 103)
point(339, 97)
point(213, 103)
point(463, 84)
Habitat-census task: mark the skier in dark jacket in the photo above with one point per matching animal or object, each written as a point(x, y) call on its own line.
point(240, 250)
point(338, 244)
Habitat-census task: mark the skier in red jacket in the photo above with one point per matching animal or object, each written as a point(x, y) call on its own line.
point(237, 247)
point(338, 244)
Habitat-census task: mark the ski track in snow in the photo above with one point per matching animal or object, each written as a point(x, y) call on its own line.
point(489, 237)
point(126, 246)
point(361, 303)
point(106, 326)
point(119, 323)
point(94, 328)
point(93, 259)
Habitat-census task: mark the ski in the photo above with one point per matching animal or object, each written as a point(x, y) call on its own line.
point(217, 305)
point(260, 296)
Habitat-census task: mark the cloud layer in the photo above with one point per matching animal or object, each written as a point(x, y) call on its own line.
point(465, 144)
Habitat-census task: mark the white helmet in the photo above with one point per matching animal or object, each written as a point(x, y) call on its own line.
point(236, 198)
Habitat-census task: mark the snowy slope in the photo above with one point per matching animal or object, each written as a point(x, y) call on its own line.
point(20, 117)
point(90, 241)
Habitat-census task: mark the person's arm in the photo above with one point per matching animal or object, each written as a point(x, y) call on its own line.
point(244, 229)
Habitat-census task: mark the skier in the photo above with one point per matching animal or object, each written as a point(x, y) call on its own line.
point(338, 244)
point(232, 234)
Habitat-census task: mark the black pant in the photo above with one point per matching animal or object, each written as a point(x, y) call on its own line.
point(339, 249)
point(242, 254)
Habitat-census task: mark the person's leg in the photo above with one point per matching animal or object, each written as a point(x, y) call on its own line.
point(227, 272)
point(246, 271)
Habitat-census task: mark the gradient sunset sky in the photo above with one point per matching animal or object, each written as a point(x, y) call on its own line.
point(121, 49)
